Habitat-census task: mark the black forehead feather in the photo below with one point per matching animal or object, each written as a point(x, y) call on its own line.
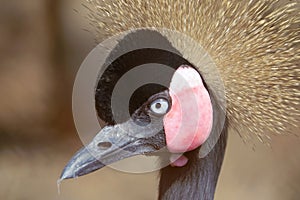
point(118, 67)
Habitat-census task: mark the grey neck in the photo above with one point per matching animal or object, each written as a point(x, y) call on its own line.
point(198, 179)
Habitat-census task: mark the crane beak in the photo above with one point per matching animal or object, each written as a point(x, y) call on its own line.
point(114, 143)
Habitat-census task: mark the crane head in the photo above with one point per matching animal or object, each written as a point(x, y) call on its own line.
point(179, 118)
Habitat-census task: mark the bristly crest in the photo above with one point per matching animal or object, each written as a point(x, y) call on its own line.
point(255, 45)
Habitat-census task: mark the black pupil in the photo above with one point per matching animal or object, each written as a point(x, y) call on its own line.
point(158, 105)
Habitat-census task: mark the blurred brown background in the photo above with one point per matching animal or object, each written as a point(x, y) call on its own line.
point(42, 44)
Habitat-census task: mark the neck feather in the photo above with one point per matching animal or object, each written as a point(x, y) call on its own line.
point(198, 179)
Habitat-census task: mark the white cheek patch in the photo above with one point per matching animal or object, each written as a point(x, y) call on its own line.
point(189, 121)
point(185, 77)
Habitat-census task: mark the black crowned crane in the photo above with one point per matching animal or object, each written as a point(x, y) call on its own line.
point(254, 48)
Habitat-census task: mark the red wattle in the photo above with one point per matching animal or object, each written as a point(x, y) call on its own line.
point(178, 160)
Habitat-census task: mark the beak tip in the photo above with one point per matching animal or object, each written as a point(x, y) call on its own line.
point(64, 175)
point(67, 173)
point(82, 163)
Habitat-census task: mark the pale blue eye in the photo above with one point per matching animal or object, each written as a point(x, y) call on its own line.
point(159, 106)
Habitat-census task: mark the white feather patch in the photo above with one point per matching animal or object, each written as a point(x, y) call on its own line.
point(185, 77)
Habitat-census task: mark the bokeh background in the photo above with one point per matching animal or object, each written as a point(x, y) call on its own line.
point(42, 44)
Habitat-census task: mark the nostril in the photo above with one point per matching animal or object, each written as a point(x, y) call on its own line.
point(104, 145)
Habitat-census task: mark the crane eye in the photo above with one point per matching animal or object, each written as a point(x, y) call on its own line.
point(160, 106)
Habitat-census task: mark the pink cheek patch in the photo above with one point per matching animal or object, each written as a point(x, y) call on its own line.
point(189, 122)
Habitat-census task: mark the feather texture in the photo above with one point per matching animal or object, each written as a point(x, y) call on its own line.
point(254, 44)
